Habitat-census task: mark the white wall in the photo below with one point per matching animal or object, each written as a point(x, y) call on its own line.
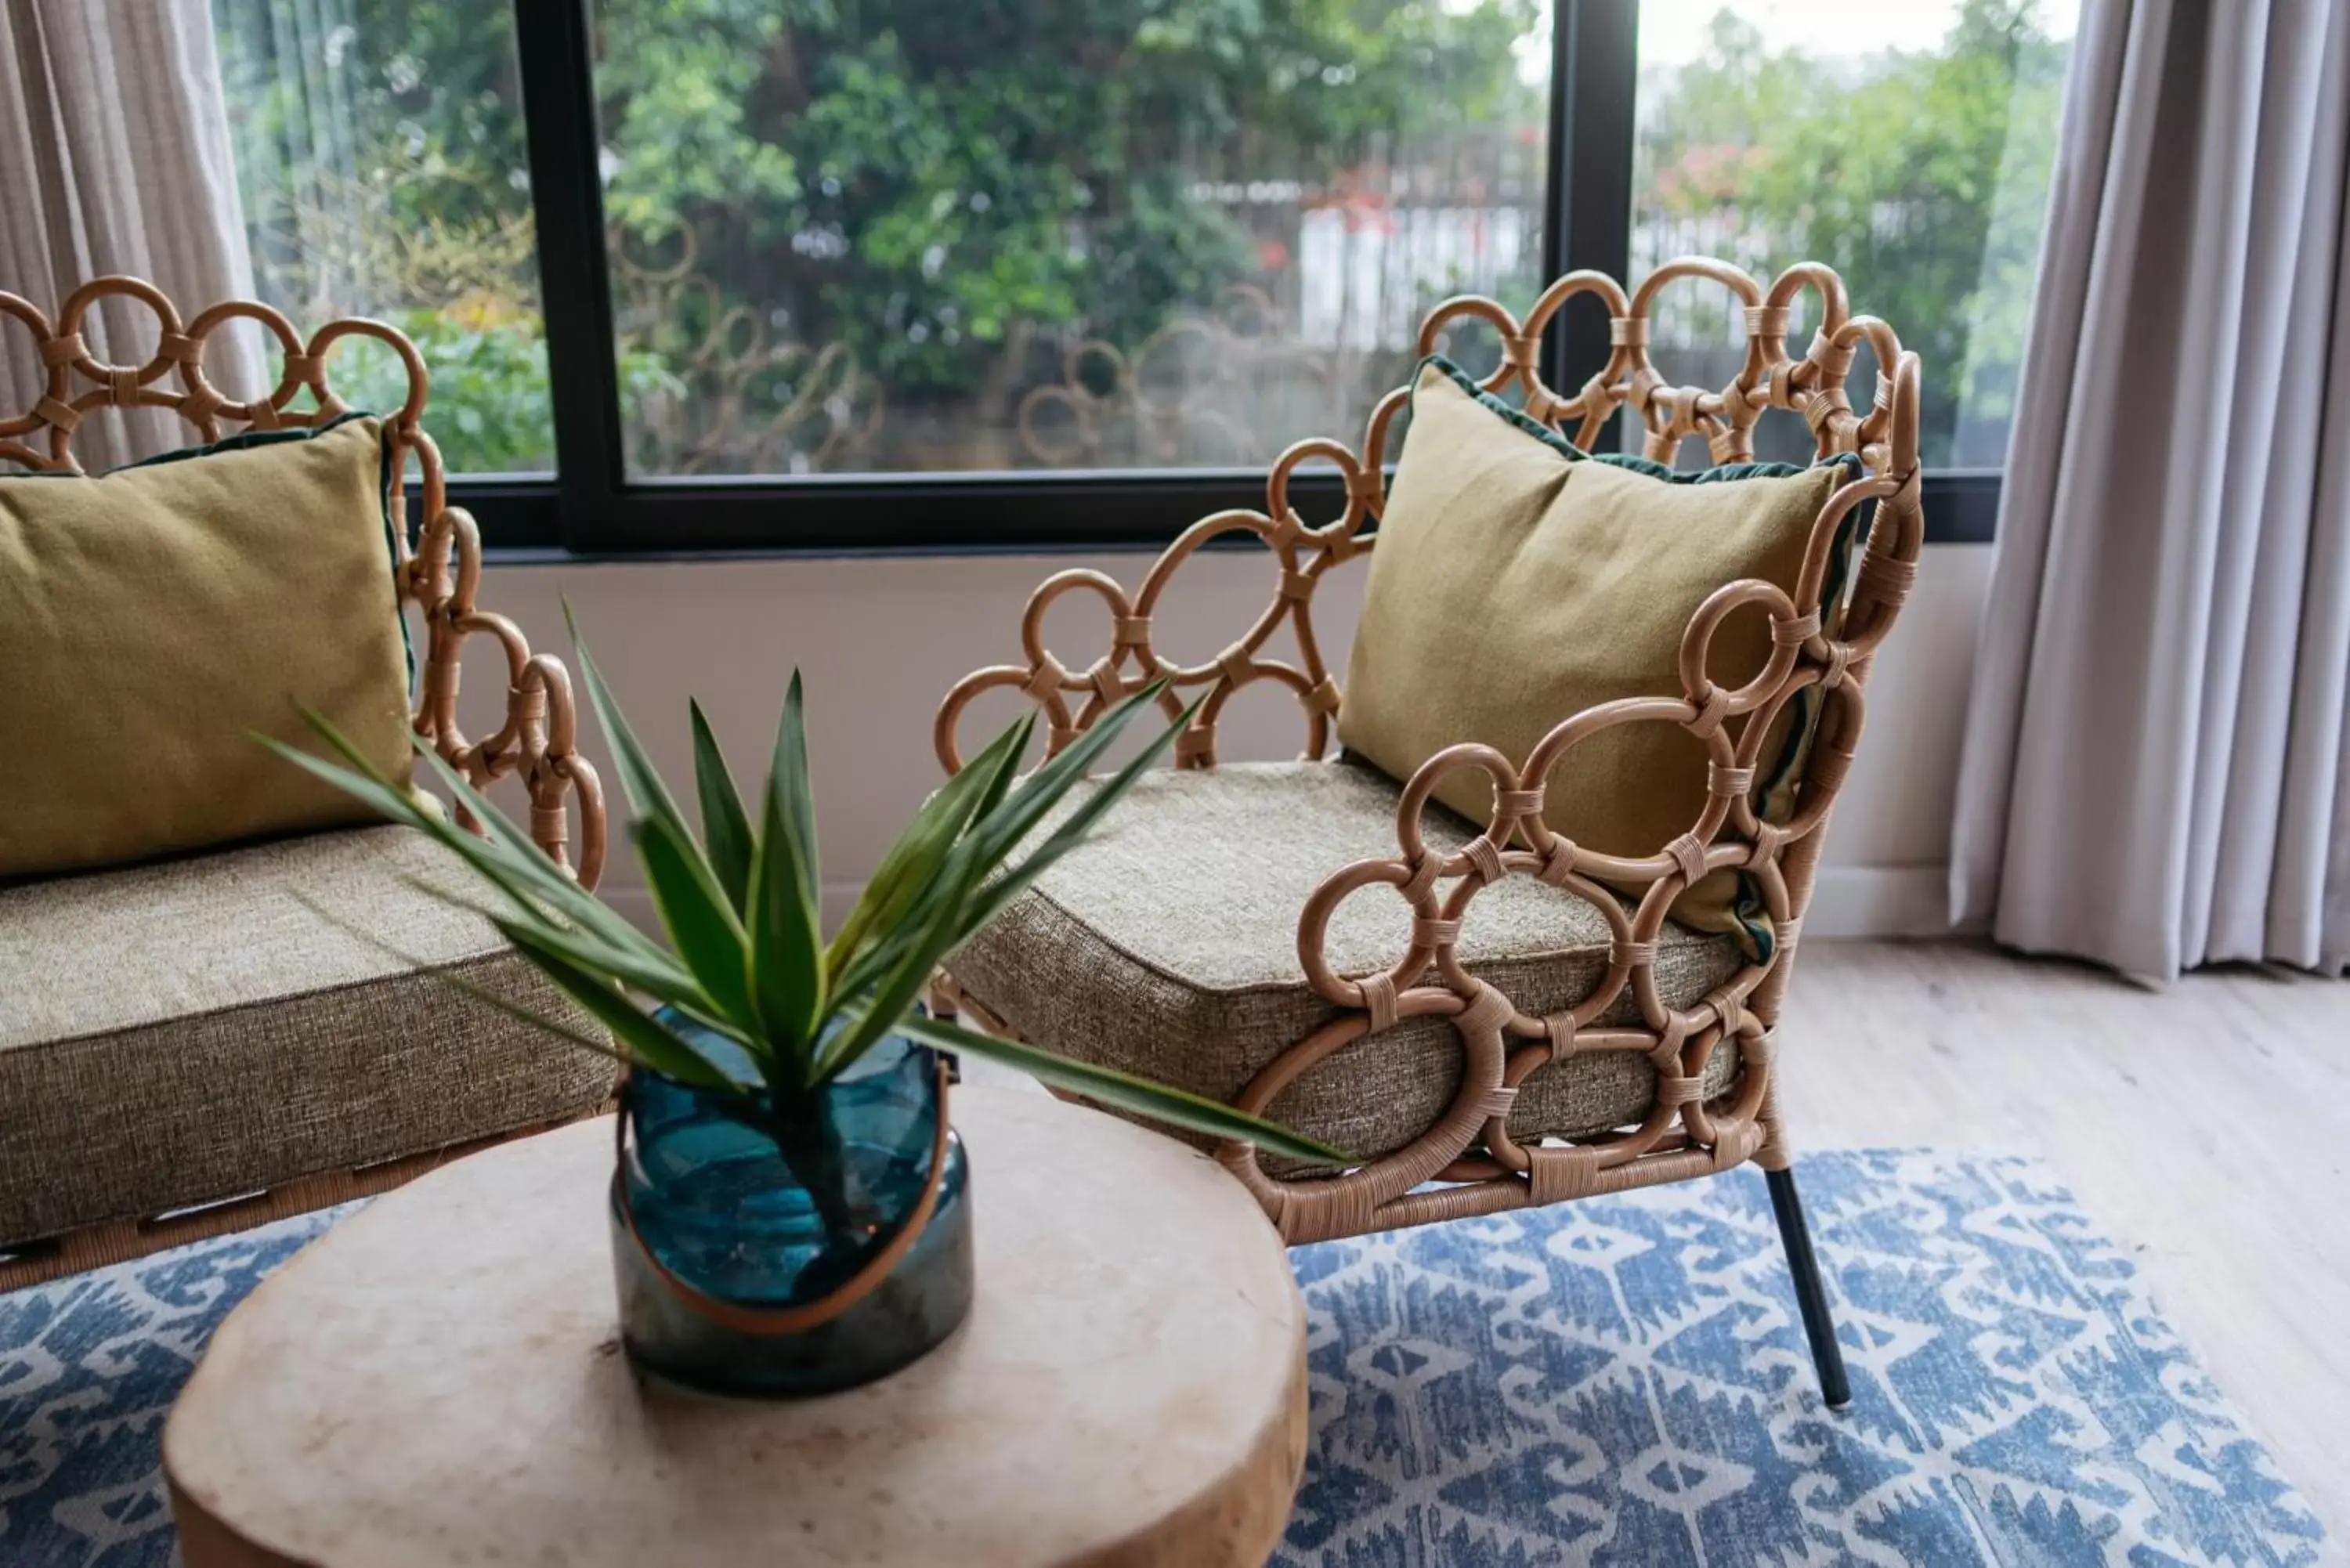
point(880, 640)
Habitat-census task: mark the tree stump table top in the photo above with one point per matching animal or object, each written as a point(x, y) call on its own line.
point(438, 1380)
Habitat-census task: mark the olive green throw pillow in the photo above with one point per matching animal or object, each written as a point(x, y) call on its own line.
point(1519, 580)
point(150, 616)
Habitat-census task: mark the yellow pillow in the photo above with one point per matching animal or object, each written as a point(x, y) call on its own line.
point(1519, 580)
point(150, 617)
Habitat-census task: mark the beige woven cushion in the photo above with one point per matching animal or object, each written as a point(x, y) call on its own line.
point(1167, 945)
point(151, 617)
point(1518, 581)
point(188, 1030)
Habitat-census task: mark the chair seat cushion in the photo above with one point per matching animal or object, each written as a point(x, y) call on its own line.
point(1167, 945)
point(189, 1031)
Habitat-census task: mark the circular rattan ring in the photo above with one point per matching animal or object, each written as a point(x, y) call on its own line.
point(1314, 926)
point(289, 347)
point(1421, 789)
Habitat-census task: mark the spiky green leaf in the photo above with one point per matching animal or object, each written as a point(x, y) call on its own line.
point(661, 978)
point(493, 1000)
point(640, 781)
point(530, 881)
point(910, 870)
point(1072, 831)
point(1109, 1086)
point(517, 854)
point(895, 991)
point(648, 1042)
point(996, 835)
point(725, 825)
point(948, 913)
point(702, 924)
point(787, 975)
point(795, 791)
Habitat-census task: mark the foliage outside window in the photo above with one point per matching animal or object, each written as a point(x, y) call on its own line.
point(877, 236)
point(939, 235)
point(1919, 173)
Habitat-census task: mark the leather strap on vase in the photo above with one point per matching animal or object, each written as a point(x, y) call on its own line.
point(806, 1316)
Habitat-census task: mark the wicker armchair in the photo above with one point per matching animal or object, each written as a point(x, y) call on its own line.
point(165, 1075)
point(1530, 1040)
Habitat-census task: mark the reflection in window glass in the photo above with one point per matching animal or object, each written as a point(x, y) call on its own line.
point(1909, 146)
point(384, 170)
point(988, 235)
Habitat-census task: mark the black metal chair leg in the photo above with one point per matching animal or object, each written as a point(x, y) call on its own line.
point(1818, 1326)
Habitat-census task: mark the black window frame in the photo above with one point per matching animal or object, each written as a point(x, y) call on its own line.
point(591, 507)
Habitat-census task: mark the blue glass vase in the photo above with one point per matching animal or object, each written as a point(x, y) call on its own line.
point(753, 1214)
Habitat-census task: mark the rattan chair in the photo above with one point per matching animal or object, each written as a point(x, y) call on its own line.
point(1531, 1039)
point(125, 1127)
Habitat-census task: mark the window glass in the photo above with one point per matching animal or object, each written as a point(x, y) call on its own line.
point(384, 171)
point(1906, 145)
point(904, 236)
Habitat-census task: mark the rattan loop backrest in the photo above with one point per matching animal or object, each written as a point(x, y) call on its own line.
point(1304, 551)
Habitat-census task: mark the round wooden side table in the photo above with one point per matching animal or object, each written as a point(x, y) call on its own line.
point(437, 1381)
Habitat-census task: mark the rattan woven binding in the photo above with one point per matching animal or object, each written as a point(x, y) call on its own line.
point(1467, 1161)
point(439, 566)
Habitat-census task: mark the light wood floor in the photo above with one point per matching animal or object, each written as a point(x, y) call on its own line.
point(2206, 1127)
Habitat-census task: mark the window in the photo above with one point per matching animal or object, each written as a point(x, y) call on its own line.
point(382, 161)
point(1907, 145)
point(926, 236)
point(977, 272)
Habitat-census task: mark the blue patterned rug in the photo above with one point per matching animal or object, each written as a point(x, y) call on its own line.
point(1621, 1381)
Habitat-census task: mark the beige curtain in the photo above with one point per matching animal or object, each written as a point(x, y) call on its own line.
point(2155, 772)
point(114, 158)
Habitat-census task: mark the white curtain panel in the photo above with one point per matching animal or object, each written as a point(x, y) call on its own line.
point(114, 158)
point(2155, 772)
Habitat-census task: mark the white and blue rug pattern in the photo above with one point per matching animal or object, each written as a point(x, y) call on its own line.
point(1621, 1381)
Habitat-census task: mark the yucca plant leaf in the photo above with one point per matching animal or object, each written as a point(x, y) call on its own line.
point(648, 1042)
point(483, 995)
point(725, 825)
point(996, 835)
point(369, 788)
point(896, 989)
point(657, 976)
point(515, 850)
point(701, 922)
point(560, 944)
point(1072, 830)
point(523, 875)
point(943, 919)
point(795, 791)
point(640, 781)
point(910, 870)
point(1016, 739)
point(787, 975)
point(515, 1011)
point(911, 861)
point(1109, 1086)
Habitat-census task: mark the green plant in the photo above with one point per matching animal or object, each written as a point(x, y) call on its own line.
point(746, 958)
